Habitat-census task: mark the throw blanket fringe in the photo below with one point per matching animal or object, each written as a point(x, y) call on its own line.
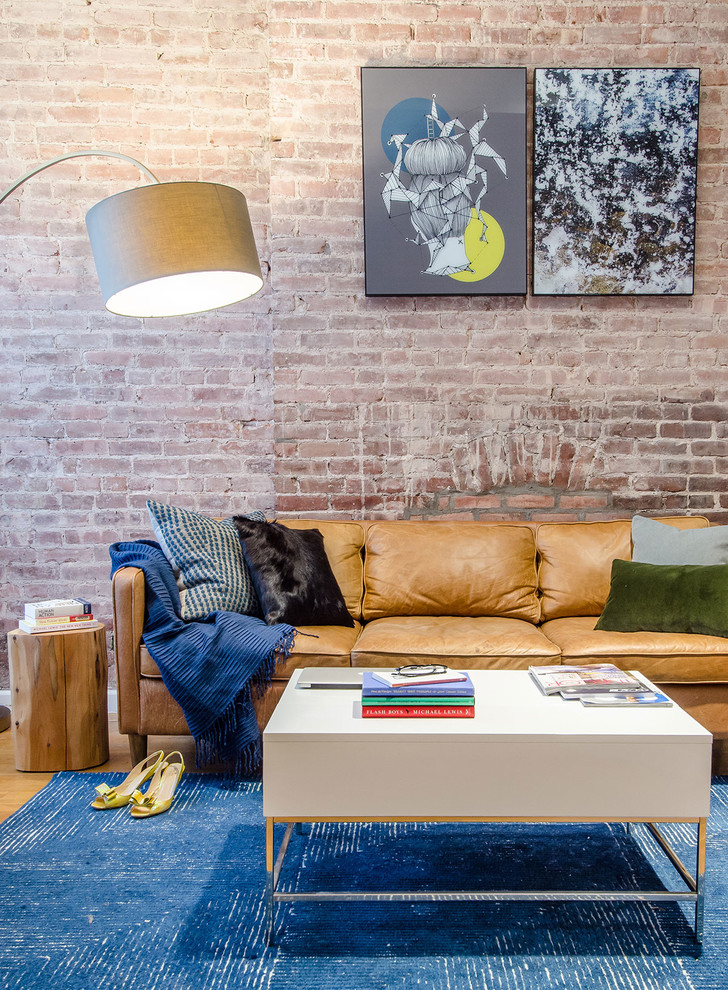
point(213, 747)
point(212, 667)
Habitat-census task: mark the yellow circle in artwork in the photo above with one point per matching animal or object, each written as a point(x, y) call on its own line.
point(484, 256)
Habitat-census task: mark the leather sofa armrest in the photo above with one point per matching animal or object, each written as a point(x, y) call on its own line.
point(128, 593)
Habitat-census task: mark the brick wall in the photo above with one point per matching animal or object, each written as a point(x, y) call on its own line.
point(311, 398)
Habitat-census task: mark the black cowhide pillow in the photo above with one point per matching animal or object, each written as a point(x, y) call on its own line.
point(291, 574)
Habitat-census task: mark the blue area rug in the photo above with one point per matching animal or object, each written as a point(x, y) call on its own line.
point(98, 899)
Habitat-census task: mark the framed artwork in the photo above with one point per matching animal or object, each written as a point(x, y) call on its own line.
point(614, 181)
point(444, 158)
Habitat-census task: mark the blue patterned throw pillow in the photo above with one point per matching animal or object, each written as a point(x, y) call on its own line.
point(207, 560)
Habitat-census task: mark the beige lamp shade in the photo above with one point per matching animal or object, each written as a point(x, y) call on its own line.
point(173, 248)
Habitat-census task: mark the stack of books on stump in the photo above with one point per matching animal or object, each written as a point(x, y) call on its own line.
point(58, 615)
point(388, 695)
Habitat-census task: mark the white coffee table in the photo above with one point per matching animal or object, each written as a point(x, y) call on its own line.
point(524, 757)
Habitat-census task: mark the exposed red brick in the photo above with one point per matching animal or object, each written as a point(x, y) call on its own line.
point(701, 430)
point(577, 502)
point(473, 502)
point(530, 501)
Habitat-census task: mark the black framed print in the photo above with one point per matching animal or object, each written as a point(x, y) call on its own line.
point(444, 160)
point(614, 181)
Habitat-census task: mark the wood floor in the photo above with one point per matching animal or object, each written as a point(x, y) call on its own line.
point(17, 787)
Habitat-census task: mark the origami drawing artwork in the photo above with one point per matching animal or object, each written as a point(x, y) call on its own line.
point(444, 162)
point(443, 186)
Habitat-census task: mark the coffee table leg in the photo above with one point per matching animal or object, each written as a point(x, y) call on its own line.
point(700, 879)
point(269, 881)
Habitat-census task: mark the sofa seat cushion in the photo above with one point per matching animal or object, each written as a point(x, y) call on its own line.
point(319, 646)
point(662, 657)
point(315, 646)
point(445, 568)
point(148, 667)
point(478, 643)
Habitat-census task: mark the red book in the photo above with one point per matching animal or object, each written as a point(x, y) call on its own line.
point(415, 711)
point(53, 620)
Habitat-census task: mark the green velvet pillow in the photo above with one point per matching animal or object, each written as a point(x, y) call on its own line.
point(667, 598)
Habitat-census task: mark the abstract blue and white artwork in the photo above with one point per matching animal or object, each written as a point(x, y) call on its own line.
point(444, 155)
point(614, 181)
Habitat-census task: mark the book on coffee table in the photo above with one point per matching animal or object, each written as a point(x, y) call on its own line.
point(394, 680)
point(448, 699)
point(417, 711)
point(376, 684)
point(583, 678)
point(375, 702)
point(627, 699)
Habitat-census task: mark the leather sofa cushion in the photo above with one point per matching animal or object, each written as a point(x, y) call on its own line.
point(343, 543)
point(148, 667)
point(662, 657)
point(320, 646)
point(478, 643)
point(315, 646)
point(450, 568)
point(575, 562)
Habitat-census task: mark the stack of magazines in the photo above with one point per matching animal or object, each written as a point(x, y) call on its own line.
point(597, 684)
point(388, 695)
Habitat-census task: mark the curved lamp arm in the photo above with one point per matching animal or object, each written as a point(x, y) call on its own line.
point(74, 154)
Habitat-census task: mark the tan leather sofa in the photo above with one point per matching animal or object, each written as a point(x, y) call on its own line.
point(470, 594)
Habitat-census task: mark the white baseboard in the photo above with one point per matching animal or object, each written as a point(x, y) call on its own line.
point(113, 708)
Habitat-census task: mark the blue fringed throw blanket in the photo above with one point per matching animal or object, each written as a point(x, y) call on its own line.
point(209, 667)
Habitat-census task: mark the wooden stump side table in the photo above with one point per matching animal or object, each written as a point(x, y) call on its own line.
point(58, 685)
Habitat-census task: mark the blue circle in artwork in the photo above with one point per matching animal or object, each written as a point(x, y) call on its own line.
point(409, 118)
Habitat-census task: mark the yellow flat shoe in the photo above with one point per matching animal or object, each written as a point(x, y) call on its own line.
point(161, 791)
point(117, 797)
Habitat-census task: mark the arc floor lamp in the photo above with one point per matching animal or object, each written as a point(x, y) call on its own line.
point(168, 248)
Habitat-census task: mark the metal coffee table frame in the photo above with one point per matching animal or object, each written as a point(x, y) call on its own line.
point(695, 893)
